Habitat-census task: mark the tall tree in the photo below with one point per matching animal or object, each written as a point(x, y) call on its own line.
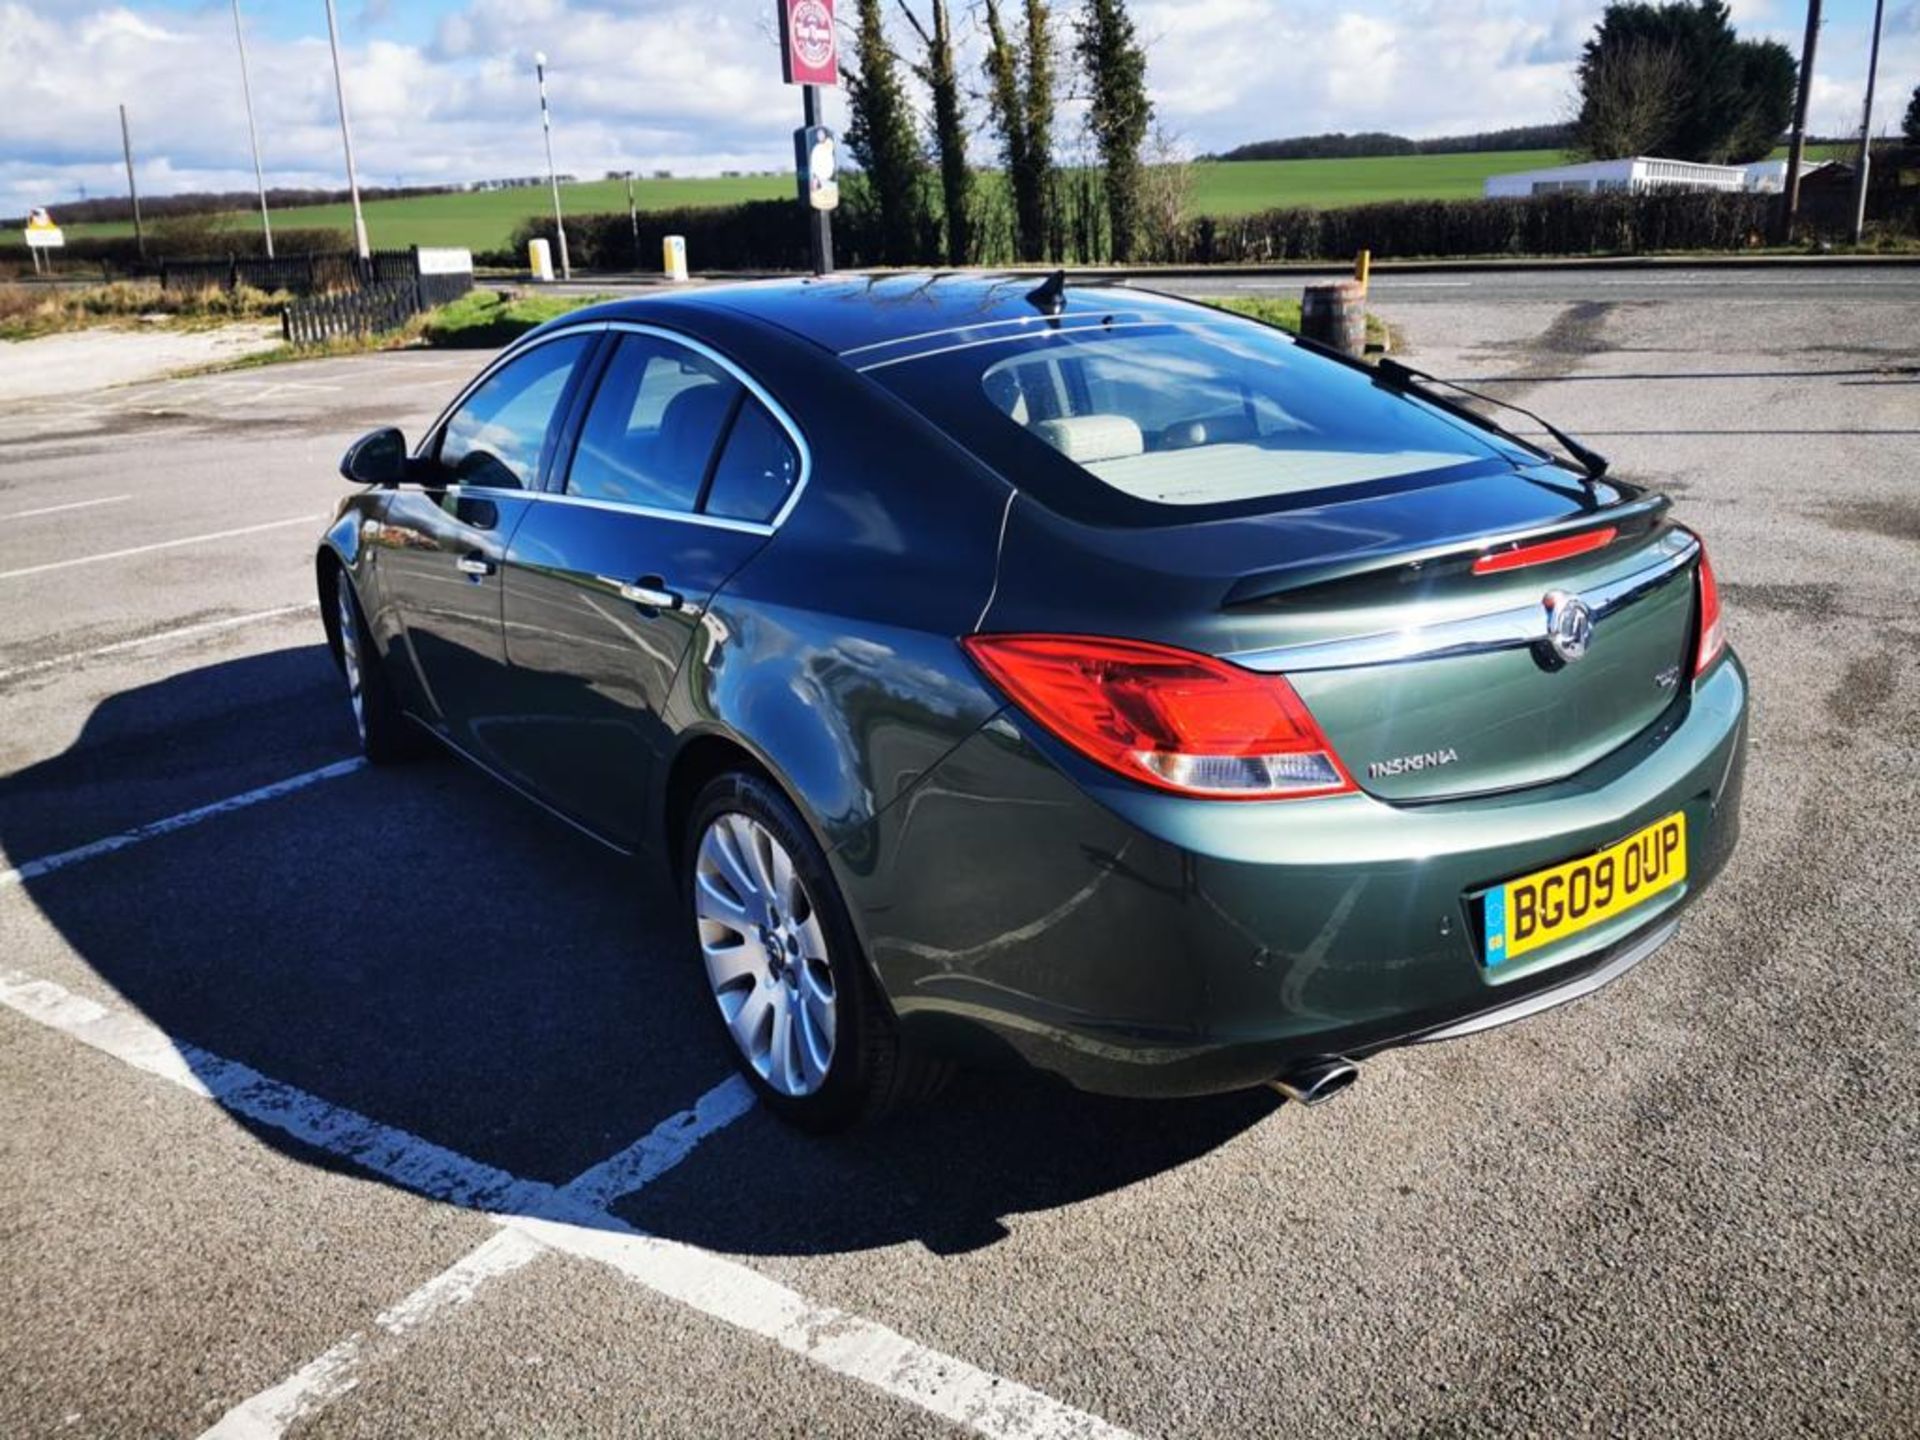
point(1731, 101)
point(882, 140)
point(1911, 127)
point(1020, 98)
point(937, 73)
point(1118, 111)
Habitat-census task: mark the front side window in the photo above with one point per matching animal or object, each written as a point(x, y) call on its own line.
point(499, 436)
point(653, 425)
point(1213, 414)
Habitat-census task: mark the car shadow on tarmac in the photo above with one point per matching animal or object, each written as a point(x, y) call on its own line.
point(422, 947)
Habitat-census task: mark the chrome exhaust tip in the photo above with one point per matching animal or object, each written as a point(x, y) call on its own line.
point(1317, 1081)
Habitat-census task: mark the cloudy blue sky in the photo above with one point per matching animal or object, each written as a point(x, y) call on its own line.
point(441, 90)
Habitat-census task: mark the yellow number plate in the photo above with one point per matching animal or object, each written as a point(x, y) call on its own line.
point(1550, 905)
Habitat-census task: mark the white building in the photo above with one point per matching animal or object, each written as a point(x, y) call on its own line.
point(1769, 177)
point(1636, 176)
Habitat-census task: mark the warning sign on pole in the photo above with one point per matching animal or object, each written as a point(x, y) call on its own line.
point(42, 233)
point(807, 54)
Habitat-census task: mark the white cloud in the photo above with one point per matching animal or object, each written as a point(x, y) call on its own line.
point(693, 86)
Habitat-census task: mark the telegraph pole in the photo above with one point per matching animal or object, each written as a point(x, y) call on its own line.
point(1866, 128)
point(246, 90)
point(553, 177)
point(346, 136)
point(126, 149)
point(1797, 151)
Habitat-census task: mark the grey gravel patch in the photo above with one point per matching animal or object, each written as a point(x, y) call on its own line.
point(1865, 687)
point(1817, 600)
point(1894, 519)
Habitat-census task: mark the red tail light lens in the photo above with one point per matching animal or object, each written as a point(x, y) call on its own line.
point(1168, 718)
point(1713, 630)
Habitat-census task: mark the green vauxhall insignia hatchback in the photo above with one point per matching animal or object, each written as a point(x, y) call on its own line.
point(1063, 674)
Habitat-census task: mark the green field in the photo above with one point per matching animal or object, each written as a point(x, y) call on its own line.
point(486, 220)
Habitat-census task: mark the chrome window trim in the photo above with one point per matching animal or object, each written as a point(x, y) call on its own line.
point(618, 507)
point(1475, 634)
point(504, 358)
point(627, 507)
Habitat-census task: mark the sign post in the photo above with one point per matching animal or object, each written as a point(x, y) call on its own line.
point(42, 234)
point(808, 59)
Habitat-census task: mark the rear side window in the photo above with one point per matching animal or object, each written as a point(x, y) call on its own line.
point(758, 468)
point(1210, 416)
point(652, 427)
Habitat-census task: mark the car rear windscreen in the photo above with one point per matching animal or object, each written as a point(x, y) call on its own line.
point(1213, 414)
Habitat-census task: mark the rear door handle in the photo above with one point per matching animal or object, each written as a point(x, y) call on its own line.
point(475, 565)
point(651, 591)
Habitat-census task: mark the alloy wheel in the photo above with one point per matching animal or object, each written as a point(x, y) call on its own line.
point(350, 657)
point(765, 953)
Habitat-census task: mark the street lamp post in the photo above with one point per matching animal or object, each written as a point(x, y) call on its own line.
point(346, 135)
point(553, 177)
point(246, 90)
point(1866, 128)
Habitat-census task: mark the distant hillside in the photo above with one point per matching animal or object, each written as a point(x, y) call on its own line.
point(1341, 146)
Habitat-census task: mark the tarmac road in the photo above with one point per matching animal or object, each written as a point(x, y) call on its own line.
point(319, 1106)
point(1777, 283)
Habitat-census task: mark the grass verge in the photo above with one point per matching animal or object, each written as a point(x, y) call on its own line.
point(1286, 313)
point(30, 311)
point(488, 319)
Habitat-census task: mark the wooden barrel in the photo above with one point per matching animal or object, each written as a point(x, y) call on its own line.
point(1335, 313)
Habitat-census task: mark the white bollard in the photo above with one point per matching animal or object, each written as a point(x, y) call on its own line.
point(540, 260)
point(673, 256)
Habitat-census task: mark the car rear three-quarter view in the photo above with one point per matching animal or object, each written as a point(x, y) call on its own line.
point(1061, 673)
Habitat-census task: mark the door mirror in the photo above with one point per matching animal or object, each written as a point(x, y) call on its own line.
point(376, 458)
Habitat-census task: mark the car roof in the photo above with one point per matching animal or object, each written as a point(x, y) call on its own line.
point(864, 317)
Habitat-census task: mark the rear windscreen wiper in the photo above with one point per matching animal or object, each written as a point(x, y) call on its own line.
point(1405, 377)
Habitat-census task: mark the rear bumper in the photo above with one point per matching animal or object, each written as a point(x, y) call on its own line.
point(1019, 901)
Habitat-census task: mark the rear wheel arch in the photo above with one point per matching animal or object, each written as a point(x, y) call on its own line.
point(697, 762)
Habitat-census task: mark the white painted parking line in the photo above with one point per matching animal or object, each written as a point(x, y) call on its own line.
point(159, 637)
point(405, 1159)
point(722, 1289)
point(328, 1376)
point(47, 864)
point(70, 505)
point(846, 1344)
point(159, 545)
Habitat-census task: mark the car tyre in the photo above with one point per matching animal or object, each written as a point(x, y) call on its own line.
point(780, 955)
point(387, 737)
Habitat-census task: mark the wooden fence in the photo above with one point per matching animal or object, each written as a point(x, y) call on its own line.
point(372, 308)
point(389, 289)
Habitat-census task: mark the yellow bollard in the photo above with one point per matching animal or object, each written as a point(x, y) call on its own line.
point(1362, 269)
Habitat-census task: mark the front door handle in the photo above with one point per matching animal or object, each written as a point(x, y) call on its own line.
point(475, 565)
point(652, 592)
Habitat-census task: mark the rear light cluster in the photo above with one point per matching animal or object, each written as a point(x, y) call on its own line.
point(1713, 629)
point(1168, 718)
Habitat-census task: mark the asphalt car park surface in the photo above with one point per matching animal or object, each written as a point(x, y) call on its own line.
point(349, 1102)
